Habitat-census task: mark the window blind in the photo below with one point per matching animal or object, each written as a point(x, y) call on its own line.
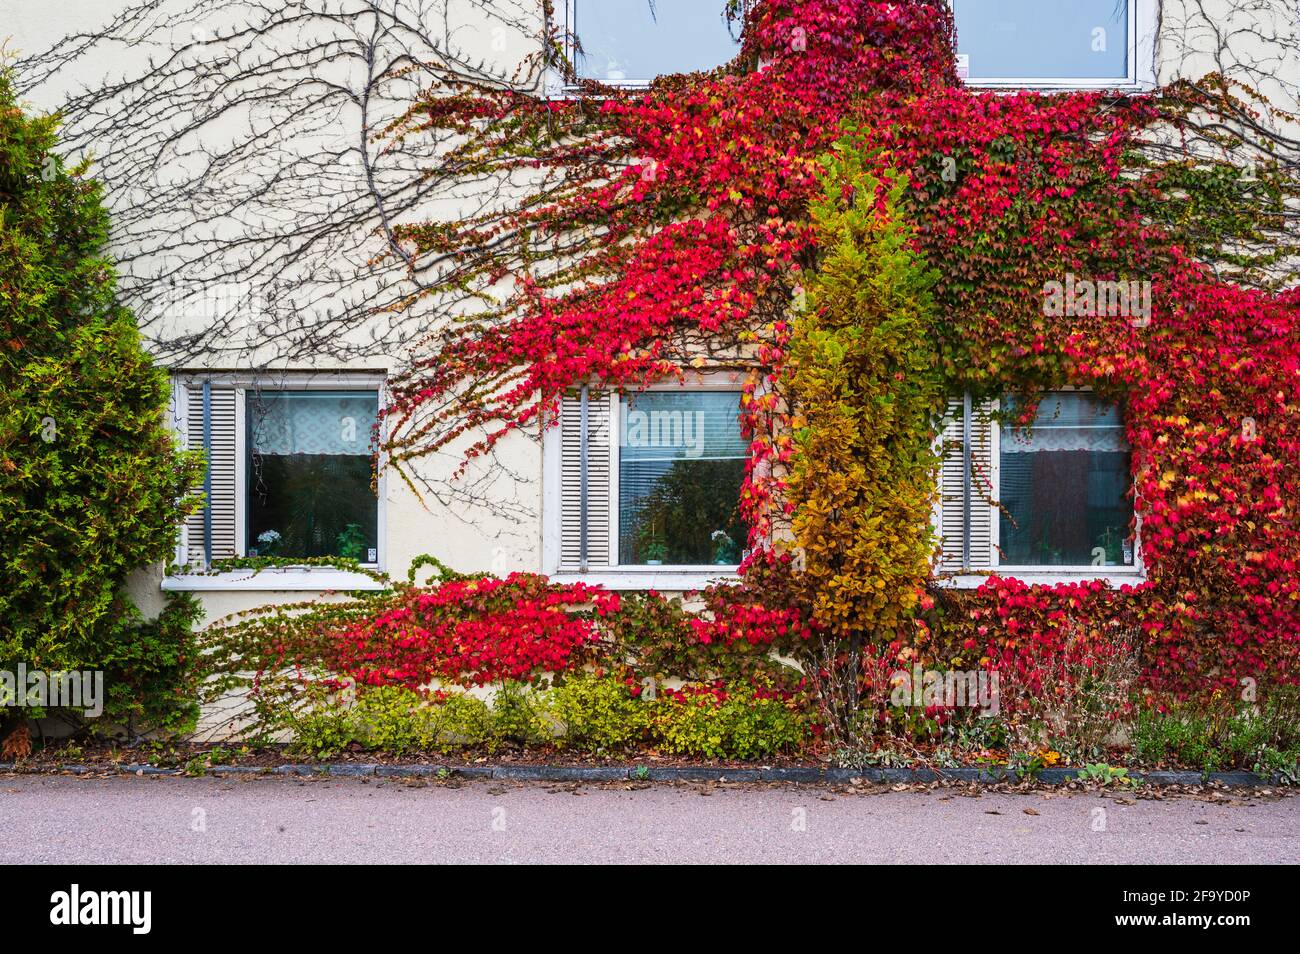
point(965, 489)
point(211, 426)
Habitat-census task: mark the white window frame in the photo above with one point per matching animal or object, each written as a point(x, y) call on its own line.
point(1114, 576)
point(616, 576)
point(1143, 30)
point(288, 578)
point(571, 54)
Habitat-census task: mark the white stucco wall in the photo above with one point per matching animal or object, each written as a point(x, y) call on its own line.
point(500, 530)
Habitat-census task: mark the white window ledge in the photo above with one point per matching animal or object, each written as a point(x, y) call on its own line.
point(676, 580)
point(272, 579)
point(1115, 579)
point(662, 579)
point(1046, 86)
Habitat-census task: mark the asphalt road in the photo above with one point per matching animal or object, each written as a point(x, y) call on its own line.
point(181, 820)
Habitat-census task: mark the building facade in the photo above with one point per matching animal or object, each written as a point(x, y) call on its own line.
point(281, 371)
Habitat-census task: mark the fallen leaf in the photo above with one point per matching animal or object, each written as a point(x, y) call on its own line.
point(18, 744)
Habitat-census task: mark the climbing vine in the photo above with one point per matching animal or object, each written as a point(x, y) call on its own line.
point(836, 214)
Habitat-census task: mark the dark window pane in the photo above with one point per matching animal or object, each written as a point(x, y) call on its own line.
point(1064, 486)
point(681, 466)
point(309, 474)
point(1043, 39)
point(623, 40)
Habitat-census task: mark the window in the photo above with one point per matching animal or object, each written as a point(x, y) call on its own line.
point(633, 41)
point(644, 481)
point(1050, 42)
point(1053, 500)
point(309, 474)
point(290, 467)
point(681, 463)
point(1064, 486)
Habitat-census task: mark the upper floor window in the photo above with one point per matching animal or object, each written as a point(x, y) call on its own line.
point(633, 41)
point(1048, 42)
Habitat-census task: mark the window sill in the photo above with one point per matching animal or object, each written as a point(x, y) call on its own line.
point(571, 92)
point(672, 579)
point(1114, 577)
point(632, 84)
point(272, 579)
point(1058, 86)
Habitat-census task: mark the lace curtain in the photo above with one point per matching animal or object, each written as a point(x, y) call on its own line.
point(1069, 421)
point(319, 423)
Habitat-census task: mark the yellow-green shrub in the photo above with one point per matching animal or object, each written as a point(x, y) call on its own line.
point(743, 726)
point(585, 713)
point(394, 720)
point(597, 714)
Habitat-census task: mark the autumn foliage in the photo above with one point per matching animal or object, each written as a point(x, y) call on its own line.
point(706, 210)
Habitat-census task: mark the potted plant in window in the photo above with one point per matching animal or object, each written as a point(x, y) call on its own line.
point(1112, 542)
point(655, 552)
point(724, 548)
point(268, 544)
point(351, 543)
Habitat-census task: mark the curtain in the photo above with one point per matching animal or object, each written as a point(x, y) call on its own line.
point(1069, 421)
point(1064, 484)
point(319, 423)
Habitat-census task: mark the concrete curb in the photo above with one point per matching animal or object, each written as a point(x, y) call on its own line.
point(617, 773)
